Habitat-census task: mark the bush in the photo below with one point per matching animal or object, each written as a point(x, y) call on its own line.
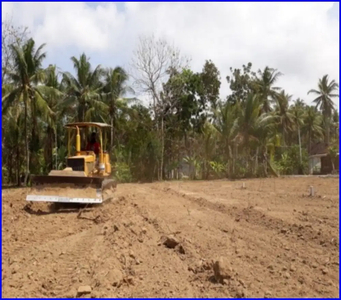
point(289, 163)
point(218, 168)
point(122, 172)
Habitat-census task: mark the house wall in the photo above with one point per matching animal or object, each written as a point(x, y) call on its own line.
point(326, 165)
point(314, 165)
point(322, 165)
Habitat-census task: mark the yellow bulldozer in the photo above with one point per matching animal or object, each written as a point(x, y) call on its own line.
point(87, 177)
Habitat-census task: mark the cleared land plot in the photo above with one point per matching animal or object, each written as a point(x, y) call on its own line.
point(275, 241)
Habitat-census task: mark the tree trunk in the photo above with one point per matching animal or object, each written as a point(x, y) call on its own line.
point(327, 132)
point(112, 134)
point(162, 148)
point(18, 166)
point(299, 143)
point(10, 169)
point(56, 145)
point(27, 150)
point(256, 162)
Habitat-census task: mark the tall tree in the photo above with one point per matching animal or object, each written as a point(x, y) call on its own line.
point(152, 62)
point(210, 77)
point(115, 87)
point(26, 75)
point(226, 123)
point(297, 111)
point(311, 127)
point(265, 86)
point(84, 90)
point(11, 35)
point(325, 93)
point(284, 116)
point(55, 101)
point(241, 83)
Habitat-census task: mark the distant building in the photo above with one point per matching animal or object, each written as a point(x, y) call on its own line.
point(320, 161)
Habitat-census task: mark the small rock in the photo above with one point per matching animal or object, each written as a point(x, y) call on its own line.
point(130, 280)
point(137, 261)
point(86, 296)
point(284, 230)
point(171, 242)
point(301, 280)
point(284, 268)
point(324, 271)
point(286, 275)
point(30, 274)
point(314, 265)
point(242, 283)
point(70, 294)
point(115, 277)
point(144, 230)
point(15, 268)
point(82, 290)
point(222, 270)
point(131, 254)
point(241, 293)
point(96, 295)
point(292, 268)
point(181, 249)
point(267, 294)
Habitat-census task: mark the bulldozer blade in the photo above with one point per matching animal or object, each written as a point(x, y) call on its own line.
point(67, 189)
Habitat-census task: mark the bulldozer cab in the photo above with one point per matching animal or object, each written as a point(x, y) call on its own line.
point(86, 131)
point(88, 170)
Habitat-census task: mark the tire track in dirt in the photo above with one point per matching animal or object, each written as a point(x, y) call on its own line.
point(275, 224)
point(255, 217)
point(122, 255)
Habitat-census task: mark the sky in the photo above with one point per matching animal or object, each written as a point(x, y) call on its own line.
point(299, 39)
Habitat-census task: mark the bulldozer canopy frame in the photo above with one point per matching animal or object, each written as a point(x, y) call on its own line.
point(87, 124)
point(82, 125)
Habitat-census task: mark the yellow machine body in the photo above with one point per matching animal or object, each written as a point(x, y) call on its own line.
point(86, 179)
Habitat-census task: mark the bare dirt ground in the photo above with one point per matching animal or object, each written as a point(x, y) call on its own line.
point(163, 240)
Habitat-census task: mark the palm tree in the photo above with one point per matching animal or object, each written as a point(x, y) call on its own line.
point(284, 116)
point(26, 78)
point(265, 129)
point(13, 122)
point(334, 130)
point(265, 86)
point(247, 120)
point(226, 125)
point(325, 93)
point(115, 88)
point(83, 91)
point(297, 110)
point(312, 125)
point(56, 104)
point(209, 134)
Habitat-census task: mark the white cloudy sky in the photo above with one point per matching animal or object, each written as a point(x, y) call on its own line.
point(299, 39)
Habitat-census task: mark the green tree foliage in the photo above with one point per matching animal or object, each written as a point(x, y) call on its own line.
point(325, 93)
point(188, 131)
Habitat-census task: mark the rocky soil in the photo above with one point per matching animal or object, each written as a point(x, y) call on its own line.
point(178, 239)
